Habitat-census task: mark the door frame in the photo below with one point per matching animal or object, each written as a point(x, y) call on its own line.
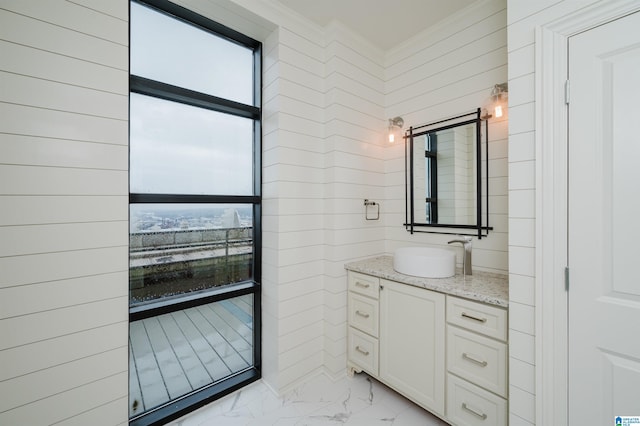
point(551, 142)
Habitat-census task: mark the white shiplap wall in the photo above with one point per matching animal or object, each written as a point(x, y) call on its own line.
point(321, 159)
point(63, 222)
point(523, 18)
point(293, 180)
point(63, 188)
point(323, 107)
point(446, 71)
point(354, 170)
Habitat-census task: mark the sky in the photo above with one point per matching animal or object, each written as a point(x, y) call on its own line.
point(180, 149)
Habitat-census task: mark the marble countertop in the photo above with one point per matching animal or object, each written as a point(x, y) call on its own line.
point(481, 286)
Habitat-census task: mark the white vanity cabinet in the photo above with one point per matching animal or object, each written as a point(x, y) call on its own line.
point(397, 334)
point(477, 374)
point(446, 353)
point(412, 343)
point(362, 311)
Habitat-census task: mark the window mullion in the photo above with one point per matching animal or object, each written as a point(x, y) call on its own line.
point(145, 86)
point(192, 199)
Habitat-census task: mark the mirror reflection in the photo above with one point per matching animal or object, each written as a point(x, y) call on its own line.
point(446, 173)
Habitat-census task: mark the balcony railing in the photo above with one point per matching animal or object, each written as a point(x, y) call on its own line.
point(170, 262)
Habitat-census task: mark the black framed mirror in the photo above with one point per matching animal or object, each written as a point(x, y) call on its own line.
point(446, 176)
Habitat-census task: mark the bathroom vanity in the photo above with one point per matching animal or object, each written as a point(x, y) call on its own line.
point(440, 342)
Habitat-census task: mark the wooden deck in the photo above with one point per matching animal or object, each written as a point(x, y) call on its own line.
point(173, 354)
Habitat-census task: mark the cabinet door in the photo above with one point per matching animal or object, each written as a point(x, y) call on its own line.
point(412, 343)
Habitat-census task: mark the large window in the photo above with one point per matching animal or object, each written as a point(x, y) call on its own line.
point(195, 211)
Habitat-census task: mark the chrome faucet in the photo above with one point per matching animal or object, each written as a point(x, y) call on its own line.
point(466, 262)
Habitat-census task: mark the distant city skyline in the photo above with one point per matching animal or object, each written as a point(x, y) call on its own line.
point(156, 217)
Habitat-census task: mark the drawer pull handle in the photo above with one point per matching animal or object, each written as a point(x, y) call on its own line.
point(483, 416)
point(472, 359)
point(471, 317)
point(362, 351)
point(363, 285)
point(362, 314)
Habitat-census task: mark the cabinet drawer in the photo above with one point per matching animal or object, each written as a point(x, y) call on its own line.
point(364, 284)
point(363, 351)
point(363, 314)
point(479, 317)
point(478, 359)
point(468, 405)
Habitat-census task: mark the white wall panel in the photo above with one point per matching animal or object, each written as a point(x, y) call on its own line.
point(33, 298)
point(103, 415)
point(24, 30)
point(34, 180)
point(300, 91)
point(521, 175)
point(523, 403)
point(32, 239)
point(521, 260)
point(354, 171)
point(81, 19)
point(521, 289)
point(522, 88)
point(296, 322)
point(523, 19)
point(37, 385)
point(292, 196)
point(445, 72)
point(29, 358)
point(301, 336)
point(442, 73)
point(63, 407)
point(521, 61)
point(19, 270)
point(300, 288)
point(41, 151)
point(287, 155)
point(522, 346)
point(231, 15)
point(456, 31)
point(299, 373)
point(30, 121)
point(295, 58)
point(371, 107)
point(117, 9)
point(39, 326)
point(29, 210)
point(63, 228)
point(32, 91)
point(24, 60)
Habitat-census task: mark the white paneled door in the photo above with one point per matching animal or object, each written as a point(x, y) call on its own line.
point(604, 223)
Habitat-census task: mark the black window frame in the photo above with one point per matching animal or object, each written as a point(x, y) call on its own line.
point(431, 156)
point(144, 86)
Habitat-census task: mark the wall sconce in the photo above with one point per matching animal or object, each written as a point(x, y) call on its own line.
point(395, 129)
point(496, 105)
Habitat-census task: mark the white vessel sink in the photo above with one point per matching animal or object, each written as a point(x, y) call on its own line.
point(425, 262)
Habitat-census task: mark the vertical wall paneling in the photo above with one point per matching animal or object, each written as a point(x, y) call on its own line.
point(63, 225)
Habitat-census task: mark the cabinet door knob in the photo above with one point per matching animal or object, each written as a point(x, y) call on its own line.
point(363, 285)
point(476, 413)
point(362, 314)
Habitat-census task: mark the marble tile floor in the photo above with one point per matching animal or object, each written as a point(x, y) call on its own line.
point(357, 401)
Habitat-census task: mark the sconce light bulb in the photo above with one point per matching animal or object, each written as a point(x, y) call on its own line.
point(498, 111)
point(392, 137)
